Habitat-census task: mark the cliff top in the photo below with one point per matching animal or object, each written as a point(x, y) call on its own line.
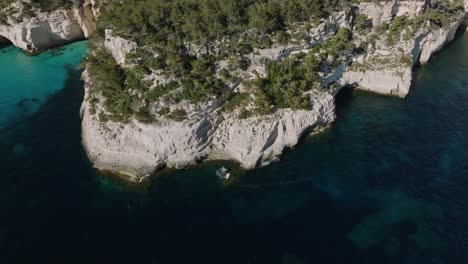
point(168, 59)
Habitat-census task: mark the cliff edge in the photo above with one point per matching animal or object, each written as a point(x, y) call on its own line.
point(169, 85)
point(370, 45)
point(32, 29)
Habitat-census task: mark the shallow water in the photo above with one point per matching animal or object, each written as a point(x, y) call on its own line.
point(385, 184)
point(27, 81)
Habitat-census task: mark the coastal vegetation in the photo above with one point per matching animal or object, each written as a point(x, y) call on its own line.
point(207, 64)
point(287, 81)
point(191, 37)
point(198, 51)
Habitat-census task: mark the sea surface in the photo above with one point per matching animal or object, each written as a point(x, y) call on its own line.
point(28, 81)
point(387, 183)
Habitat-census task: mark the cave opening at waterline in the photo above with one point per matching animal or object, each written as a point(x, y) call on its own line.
point(4, 42)
point(343, 98)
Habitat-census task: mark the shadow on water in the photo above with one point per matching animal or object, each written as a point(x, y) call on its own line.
point(344, 99)
point(43, 175)
point(3, 45)
point(59, 211)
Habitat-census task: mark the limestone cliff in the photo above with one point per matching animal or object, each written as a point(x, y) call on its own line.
point(385, 11)
point(138, 148)
point(388, 39)
point(37, 31)
point(388, 69)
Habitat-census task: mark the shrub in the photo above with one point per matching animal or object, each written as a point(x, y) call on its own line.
point(178, 115)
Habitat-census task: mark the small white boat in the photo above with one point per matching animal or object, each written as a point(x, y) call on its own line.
point(145, 178)
point(223, 173)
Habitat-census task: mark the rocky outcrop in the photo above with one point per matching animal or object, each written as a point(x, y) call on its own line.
point(86, 18)
point(257, 141)
point(46, 30)
point(95, 8)
point(436, 40)
point(387, 69)
point(385, 11)
point(119, 47)
point(386, 81)
point(137, 149)
point(43, 32)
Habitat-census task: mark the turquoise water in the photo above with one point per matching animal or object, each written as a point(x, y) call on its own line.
point(27, 81)
point(387, 183)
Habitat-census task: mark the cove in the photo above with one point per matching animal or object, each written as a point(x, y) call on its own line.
point(28, 81)
point(385, 184)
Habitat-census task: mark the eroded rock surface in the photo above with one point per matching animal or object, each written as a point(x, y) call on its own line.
point(44, 30)
point(137, 149)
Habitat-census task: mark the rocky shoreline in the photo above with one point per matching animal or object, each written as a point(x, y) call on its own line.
point(46, 30)
point(137, 149)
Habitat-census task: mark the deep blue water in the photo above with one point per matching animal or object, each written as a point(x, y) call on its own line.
point(387, 183)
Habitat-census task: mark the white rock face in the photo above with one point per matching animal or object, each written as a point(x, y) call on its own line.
point(136, 149)
point(384, 11)
point(94, 7)
point(85, 16)
point(381, 81)
point(378, 12)
point(46, 30)
point(119, 47)
point(411, 8)
point(393, 78)
point(256, 141)
point(435, 41)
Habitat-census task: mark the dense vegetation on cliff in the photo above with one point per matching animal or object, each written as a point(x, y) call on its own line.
point(190, 37)
point(202, 47)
